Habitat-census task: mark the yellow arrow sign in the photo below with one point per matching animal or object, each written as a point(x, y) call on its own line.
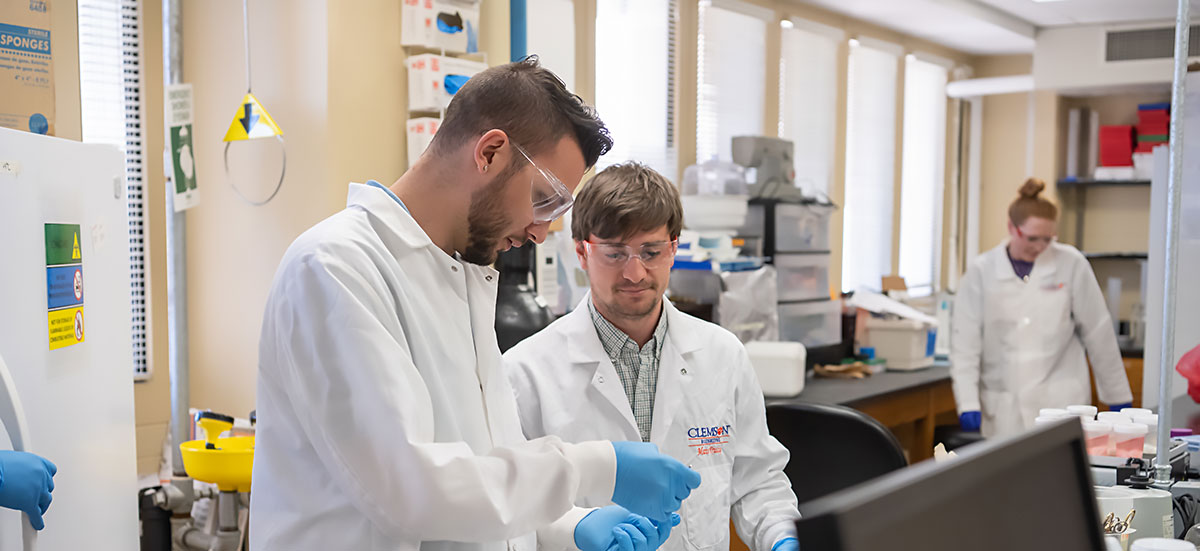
point(251, 121)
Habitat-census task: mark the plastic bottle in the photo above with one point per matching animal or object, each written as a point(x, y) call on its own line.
point(1129, 439)
point(1086, 413)
point(1097, 434)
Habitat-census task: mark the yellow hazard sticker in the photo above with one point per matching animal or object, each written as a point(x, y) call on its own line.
point(251, 121)
point(65, 327)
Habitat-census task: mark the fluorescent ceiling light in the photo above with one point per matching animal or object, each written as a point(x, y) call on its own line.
point(786, 23)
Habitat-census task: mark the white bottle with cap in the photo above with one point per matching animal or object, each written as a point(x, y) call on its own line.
point(1084, 412)
point(1151, 422)
point(1131, 412)
point(1113, 417)
point(1053, 412)
point(1161, 544)
point(1129, 440)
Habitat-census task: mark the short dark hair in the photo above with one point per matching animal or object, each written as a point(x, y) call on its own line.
point(625, 199)
point(529, 103)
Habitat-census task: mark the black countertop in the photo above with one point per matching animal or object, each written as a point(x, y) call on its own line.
point(849, 391)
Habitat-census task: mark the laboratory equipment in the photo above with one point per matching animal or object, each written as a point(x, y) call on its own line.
point(1053, 412)
point(227, 462)
point(1128, 439)
point(1083, 411)
point(1036, 480)
point(1161, 544)
point(1099, 437)
point(1151, 422)
point(1113, 417)
point(779, 366)
point(714, 197)
point(67, 342)
point(520, 312)
point(769, 161)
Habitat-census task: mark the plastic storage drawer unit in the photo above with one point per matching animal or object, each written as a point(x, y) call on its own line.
point(812, 324)
point(802, 276)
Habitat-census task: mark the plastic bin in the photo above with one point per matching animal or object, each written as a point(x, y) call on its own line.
point(905, 344)
point(812, 324)
point(700, 286)
point(802, 276)
point(802, 228)
point(779, 366)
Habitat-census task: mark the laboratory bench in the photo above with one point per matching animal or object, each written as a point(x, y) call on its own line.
point(909, 403)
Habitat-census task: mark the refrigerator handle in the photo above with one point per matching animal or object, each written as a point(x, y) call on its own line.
point(13, 417)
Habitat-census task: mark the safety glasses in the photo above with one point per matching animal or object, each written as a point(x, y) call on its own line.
point(617, 255)
point(1036, 239)
point(551, 198)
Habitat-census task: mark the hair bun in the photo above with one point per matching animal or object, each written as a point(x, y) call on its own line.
point(1032, 188)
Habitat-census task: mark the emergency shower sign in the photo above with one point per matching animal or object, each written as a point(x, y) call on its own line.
point(64, 285)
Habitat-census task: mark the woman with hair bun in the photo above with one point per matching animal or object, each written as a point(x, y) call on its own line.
point(1024, 315)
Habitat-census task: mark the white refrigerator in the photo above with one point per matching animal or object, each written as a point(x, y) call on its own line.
point(65, 338)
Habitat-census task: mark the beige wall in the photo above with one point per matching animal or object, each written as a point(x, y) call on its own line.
point(64, 54)
point(334, 80)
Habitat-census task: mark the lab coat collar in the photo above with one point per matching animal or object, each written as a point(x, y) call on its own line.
point(581, 333)
point(1044, 266)
point(377, 202)
point(586, 353)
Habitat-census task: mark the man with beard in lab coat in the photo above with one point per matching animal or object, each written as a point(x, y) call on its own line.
point(384, 419)
point(636, 368)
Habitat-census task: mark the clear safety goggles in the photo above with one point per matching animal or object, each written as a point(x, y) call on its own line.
point(617, 255)
point(1036, 239)
point(551, 198)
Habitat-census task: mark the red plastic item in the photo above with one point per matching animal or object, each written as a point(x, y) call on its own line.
point(1116, 145)
point(1189, 367)
point(1156, 117)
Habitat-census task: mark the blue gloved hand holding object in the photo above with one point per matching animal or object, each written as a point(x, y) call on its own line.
point(649, 483)
point(786, 544)
point(970, 420)
point(614, 528)
point(1119, 407)
point(26, 481)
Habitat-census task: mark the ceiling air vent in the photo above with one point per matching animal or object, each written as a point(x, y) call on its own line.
point(1156, 43)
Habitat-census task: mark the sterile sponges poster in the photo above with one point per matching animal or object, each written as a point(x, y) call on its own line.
point(26, 71)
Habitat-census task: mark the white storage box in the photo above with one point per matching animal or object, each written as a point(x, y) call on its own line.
point(420, 134)
point(906, 344)
point(449, 25)
point(714, 212)
point(433, 80)
point(779, 366)
point(803, 276)
point(812, 324)
point(802, 228)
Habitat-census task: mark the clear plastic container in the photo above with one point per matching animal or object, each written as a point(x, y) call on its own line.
point(802, 276)
point(802, 228)
point(1113, 417)
point(1098, 435)
point(1131, 412)
point(714, 178)
point(1129, 440)
point(1086, 413)
point(1151, 422)
point(1046, 420)
point(1053, 412)
point(811, 323)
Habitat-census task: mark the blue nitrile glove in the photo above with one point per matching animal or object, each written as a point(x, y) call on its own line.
point(649, 483)
point(970, 420)
point(26, 481)
point(1119, 407)
point(614, 528)
point(663, 530)
point(786, 544)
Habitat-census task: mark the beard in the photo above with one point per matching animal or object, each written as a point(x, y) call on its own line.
point(634, 311)
point(487, 221)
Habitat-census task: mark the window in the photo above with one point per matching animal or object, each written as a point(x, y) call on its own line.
point(550, 38)
point(731, 75)
point(635, 81)
point(808, 74)
point(870, 163)
point(922, 173)
point(110, 91)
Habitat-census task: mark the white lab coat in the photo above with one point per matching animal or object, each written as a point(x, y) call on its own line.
point(567, 386)
point(384, 419)
point(1018, 346)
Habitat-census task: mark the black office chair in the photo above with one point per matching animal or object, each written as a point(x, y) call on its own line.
point(832, 447)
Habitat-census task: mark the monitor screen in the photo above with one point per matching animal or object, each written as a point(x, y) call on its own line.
point(1031, 491)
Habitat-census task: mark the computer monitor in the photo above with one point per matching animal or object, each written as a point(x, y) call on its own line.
point(1029, 492)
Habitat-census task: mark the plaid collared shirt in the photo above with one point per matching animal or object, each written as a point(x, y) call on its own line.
point(638, 368)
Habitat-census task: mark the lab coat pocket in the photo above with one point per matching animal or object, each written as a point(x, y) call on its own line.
point(706, 512)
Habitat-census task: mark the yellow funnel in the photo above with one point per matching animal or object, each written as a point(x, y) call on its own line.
point(226, 462)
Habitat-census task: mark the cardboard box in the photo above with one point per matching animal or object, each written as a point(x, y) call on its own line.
point(433, 80)
point(26, 67)
point(420, 134)
point(448, 25)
